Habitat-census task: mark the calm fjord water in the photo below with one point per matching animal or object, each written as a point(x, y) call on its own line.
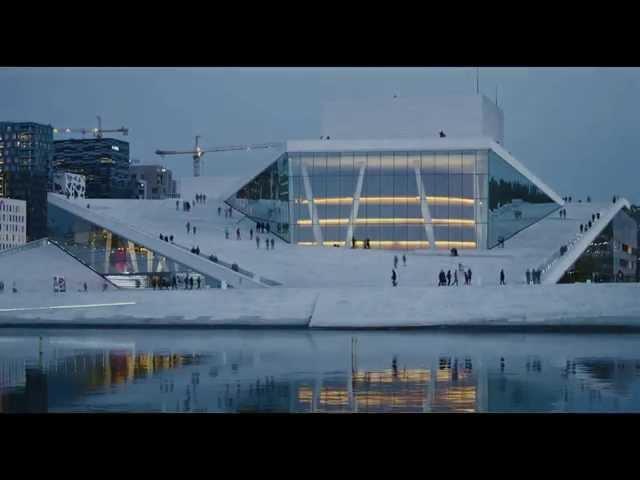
point(262, 370)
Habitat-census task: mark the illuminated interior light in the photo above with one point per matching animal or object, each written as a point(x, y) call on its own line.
point(383, 221)
point(413, 200)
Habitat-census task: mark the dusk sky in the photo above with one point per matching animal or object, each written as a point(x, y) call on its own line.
point(576, 128)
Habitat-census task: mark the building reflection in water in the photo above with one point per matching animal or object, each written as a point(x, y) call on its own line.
point(63, 380)
point(243, 381)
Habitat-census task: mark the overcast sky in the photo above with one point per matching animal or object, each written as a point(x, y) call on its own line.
point(576, 128)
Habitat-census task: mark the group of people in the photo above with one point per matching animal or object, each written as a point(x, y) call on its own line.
point(268, 242)
point(533, 276)
point(166, 238)
point(263, 227)
point(563, 213)
point(448, 280)
point(394, 273)
point(228, 212)
point(366, 243)
point(201, 198)
point(190, 228)
point(162, 283)
point(13, 288)
point(195, 250)
point(586, 226)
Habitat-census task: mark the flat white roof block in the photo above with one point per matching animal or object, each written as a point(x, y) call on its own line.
point(413, 117)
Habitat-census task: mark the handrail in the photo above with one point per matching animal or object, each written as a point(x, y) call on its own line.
point(547, 265)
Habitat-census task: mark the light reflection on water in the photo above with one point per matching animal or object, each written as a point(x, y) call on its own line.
point(316, 371)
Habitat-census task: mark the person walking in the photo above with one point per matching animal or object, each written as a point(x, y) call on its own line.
point(395, 261)
point(177, 204)
point(273, 243)
point(190, 283)
point(441, 278)
point(188, 228)
point(502, 277)
point(194, 229)
point(469, 272)
point(237, 234)
point(174, 283)
point(250, 234)
point(226, 233)
point(448, 278)
point(527, 274)
point(199, 280)
point(85, 286)
point(171, 238)
point(219, 210)
point(268, 228)
point(394, 277)
point(257, 241)
point(455, 278)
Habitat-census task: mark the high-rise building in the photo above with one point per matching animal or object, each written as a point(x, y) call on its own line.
point(13, 218)
point(26, 155)
point(152, 182)
point(104, 162)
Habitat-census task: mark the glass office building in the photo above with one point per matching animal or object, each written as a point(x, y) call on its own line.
point(403, 199)
point(104, 162)
point(114, 256)
point(26, 155)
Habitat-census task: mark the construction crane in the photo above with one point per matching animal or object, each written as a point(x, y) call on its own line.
point(97, 132)
point(198, 152)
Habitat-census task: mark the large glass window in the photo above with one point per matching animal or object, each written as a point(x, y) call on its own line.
point(389, 212)
point(515, 202)
point(472, 198)
point(266, 197)
point(112, 255)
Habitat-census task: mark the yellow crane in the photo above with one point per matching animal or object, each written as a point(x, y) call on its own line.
point(197, 152)
point(97, 132)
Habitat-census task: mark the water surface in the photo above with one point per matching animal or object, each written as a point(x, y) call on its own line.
point(263, 370)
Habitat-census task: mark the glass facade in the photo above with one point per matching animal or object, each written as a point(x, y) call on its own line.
point(611, 257)
point(104, 162)
point(395, 199)
point(266, 198)
point(115, 256)
point(515, 202)
point(26, 154)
